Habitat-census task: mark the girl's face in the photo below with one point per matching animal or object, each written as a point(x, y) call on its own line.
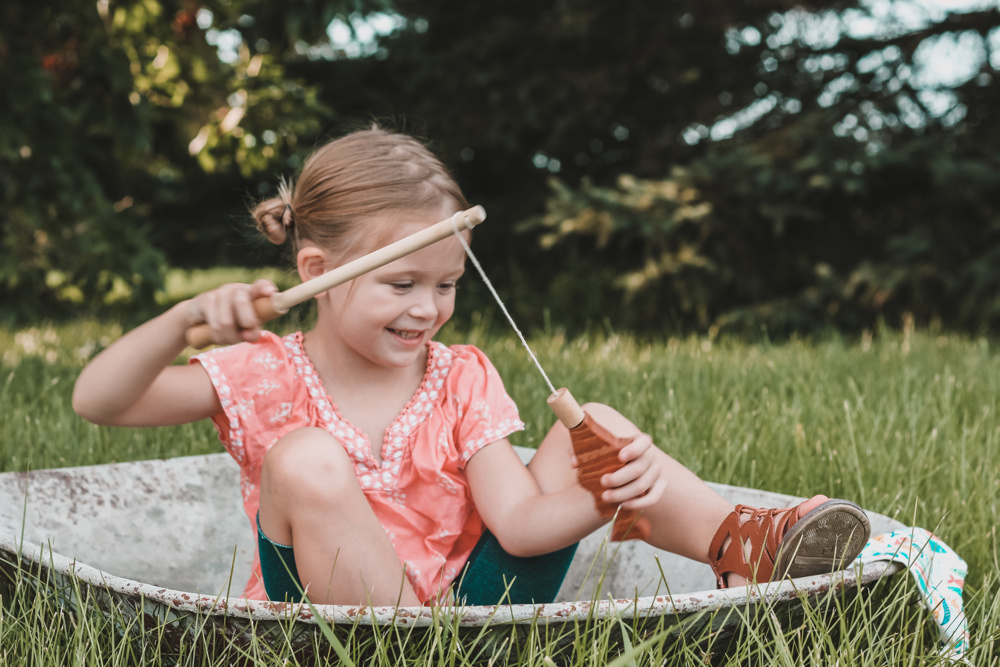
point(387, 316)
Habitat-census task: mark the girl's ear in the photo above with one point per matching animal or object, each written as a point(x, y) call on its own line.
point(311, 262)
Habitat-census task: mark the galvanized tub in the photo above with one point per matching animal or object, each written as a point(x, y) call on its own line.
point(166, 542)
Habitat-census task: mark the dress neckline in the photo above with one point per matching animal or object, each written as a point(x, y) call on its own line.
point(357, 442)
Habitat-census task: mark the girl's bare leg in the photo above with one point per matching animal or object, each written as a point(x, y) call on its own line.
point(686, 517)
point(310, 498)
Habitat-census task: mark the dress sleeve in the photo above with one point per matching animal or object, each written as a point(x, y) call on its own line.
point(485, 412)
point(253, 383)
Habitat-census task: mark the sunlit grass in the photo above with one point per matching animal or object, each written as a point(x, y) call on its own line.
point(908, 425)
point(185, 284)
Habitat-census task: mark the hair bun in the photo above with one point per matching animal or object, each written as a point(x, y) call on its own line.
point(274, 219)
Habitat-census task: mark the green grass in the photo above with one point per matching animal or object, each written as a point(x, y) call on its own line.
point(906, 424)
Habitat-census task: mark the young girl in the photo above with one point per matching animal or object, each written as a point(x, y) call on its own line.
point(375, 465)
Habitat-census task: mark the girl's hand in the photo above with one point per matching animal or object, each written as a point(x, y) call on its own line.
point(640, 482)
point(230, 312)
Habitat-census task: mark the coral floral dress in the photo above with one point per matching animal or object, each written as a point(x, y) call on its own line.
point(419, 492)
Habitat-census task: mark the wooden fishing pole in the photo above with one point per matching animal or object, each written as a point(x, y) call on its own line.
point(275, 305)
point(596, 449)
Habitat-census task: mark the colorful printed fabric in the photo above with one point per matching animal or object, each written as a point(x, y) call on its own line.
point(940, 575)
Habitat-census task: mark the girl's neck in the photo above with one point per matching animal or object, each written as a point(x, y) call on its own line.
point(369, 396)
point(346, 369)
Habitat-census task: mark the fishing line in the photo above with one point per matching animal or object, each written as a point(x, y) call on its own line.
point(503, 308)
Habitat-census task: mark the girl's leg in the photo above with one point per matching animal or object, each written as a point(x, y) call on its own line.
point(687, 515)
point(689, 512)
point(310, 498)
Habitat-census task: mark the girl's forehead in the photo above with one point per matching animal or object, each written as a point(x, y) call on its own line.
point(393, 225)
point(423, 217)
point(446, 255)
point(377, 232)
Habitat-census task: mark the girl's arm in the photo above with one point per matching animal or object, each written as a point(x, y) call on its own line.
point(528, 522)
point(524, 520)
point(132, 382)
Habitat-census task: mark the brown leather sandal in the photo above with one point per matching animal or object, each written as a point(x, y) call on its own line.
point(825, 539)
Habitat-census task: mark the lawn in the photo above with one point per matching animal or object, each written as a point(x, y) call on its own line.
point(906, 423)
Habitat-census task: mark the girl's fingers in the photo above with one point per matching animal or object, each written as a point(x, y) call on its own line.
point(624, 475)
point(245, 316)
point(243, 310)
point(650, 498)
point(635, 489)
point(639, 446)
point(229, 311)
point(262, 287)
point(631, 470)
point(220, 318)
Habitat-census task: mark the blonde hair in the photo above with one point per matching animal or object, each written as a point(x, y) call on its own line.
point(350, 182)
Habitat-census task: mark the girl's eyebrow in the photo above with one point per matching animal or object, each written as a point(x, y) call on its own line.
point(413, 269)
point(390, 275)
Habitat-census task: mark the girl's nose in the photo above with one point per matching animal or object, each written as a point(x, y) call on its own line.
point(424, 305)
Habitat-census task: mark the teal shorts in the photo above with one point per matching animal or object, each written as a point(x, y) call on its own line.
point(491, 575)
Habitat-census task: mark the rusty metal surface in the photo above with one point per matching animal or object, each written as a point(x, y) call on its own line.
point(173, 533)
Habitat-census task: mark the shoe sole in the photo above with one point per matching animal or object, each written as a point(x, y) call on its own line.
point(826, 539)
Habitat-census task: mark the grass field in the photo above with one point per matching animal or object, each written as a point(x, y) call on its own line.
point(907, 424)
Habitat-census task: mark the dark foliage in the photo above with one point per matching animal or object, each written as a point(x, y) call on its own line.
point(676, 165)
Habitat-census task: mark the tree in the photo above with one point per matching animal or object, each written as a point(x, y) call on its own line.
point(122, 126)
point(855, 187)
point(71, 136)
point(797, 129)
point(800, 129)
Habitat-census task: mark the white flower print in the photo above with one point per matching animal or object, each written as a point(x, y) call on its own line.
point(396, 496)
point(269, 361)
point(482, 413)
point(244, 408)
point(283, 413)
point(247, 486)
point(446, 483)
point(266, 386)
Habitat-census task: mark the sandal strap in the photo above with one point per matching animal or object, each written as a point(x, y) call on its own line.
point(762, 529)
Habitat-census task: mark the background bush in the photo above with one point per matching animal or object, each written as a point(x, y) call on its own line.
point(681, 165)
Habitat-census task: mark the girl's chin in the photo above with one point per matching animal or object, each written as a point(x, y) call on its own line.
point(400, 355)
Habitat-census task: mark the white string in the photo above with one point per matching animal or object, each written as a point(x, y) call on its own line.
point(489, 285)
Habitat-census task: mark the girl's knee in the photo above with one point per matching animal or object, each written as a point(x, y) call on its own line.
point(611, 419)
point(307, 460)
point(601, 410)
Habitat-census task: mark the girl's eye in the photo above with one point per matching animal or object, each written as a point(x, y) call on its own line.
point(402, 285)
point(447, 287)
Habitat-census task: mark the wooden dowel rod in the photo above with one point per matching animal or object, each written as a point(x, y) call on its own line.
point(566, 408)
point(268, 308)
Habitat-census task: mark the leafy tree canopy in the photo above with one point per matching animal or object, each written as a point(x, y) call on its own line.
point(691, 164)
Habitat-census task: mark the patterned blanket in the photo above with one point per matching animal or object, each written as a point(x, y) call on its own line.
point(939, 573)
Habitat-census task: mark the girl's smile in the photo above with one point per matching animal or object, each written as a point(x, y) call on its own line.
point(407, 335)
